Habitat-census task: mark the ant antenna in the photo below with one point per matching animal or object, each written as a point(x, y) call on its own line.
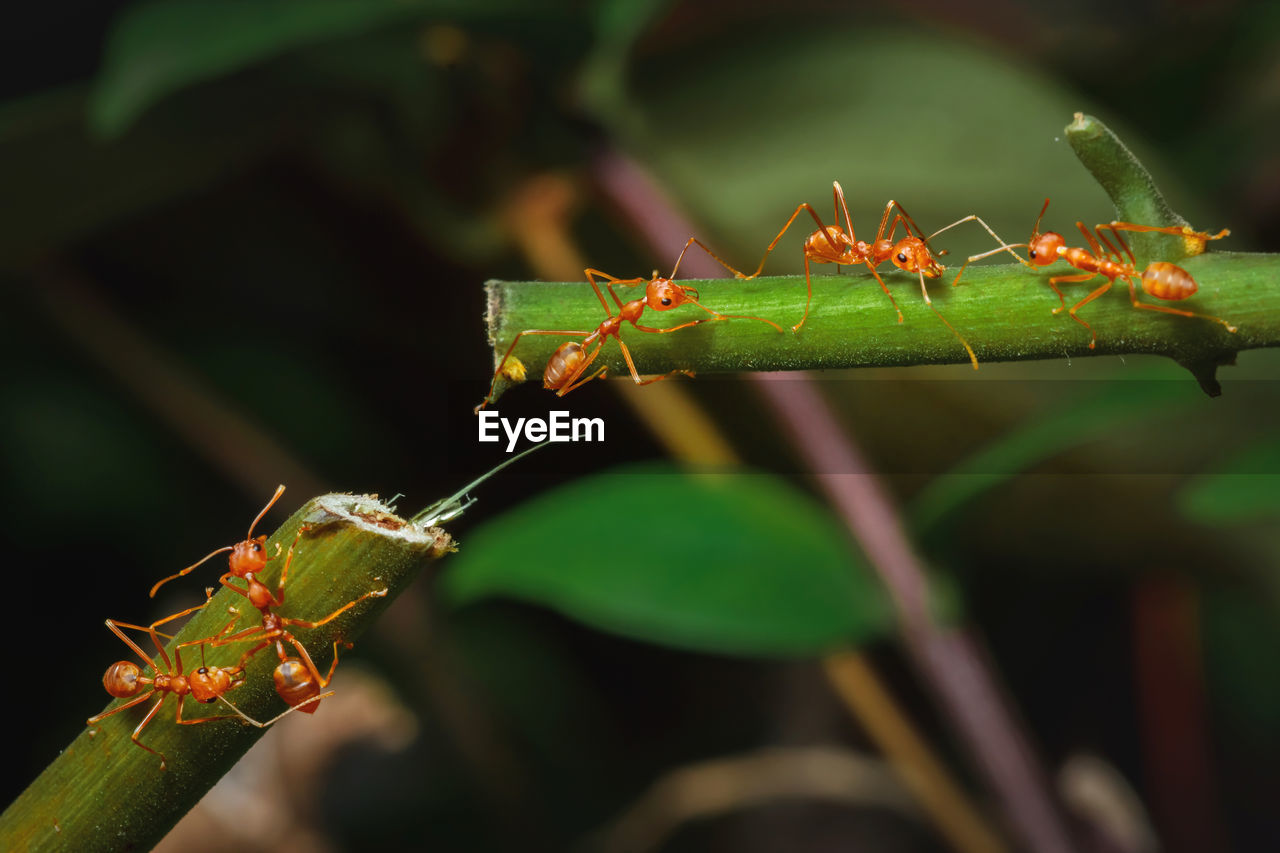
point(188, 569)
point(457, 503)
point(270, 503)
point(1035, 231)
point(193, 566)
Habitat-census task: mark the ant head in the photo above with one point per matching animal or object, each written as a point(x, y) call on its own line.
point(663, 294)
point(912, 255)
point(208, 683)
point(121, 679)
point(295, 684)
point(248, 556)
point(1044, 248)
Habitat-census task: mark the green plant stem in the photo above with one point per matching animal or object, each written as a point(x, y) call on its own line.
point(1004, 311)
point(1130, 186)
point(103, 793)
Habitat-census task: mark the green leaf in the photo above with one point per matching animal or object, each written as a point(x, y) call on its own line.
point(735, 563)
point(1246, 489)
point(156, 49)
point(1075, 423)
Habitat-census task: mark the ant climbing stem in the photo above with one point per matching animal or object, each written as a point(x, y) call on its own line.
point(571, 360)
point(247, 556)
point(298, 679)
point(838, 244)
point(207, 684)
point(1160, 279)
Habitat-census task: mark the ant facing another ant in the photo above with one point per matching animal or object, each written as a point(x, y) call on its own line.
point(1160, 279)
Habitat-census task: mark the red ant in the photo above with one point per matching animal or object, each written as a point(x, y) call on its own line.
point(571, 359)
point(832, 244)
point(298, 680)
point(247, 557)
point(1160, 279)
point(204, 683)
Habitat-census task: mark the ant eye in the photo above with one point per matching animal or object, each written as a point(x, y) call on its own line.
point(203, 670)
point(902, 257)
point(666, 300)
point(1031, 253)
point(256, 547)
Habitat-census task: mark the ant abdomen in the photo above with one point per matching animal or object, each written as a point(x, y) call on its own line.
point(562, 364)
point(295, 684)
point(121, 679)
point(1164, 280)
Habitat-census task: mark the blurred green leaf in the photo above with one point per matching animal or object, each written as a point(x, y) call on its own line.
point(946, 127)
point(735, 563)
point(1076, 422)
point(618, 24)
point(1246, 489)
point(158, 48)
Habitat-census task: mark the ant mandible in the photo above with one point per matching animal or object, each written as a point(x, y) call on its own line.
point(247, 557)
point(1160, 279)
point(207, 684)
point(298, 681)
point(571, 359)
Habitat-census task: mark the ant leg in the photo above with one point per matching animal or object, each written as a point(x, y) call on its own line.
point(626, 354)
point(927, 301)
point(1095, 245)
point(142, 725)
point(1066, 279)
point(220, 638)
point(306, 659)
point(1133, 298)
point(885, 288)
point(1194, 240)
point(803, 206)
point(244, 658)
point(610, 280)
point(155, 635)
point(564, 332)
point(1093, 336)
point(278, 599)
point(377, 593)
point(808, 295)
point(603, 371)
point(715, 315)
point(715, 319)
point(1133, 262)
point(115, 627)
point(138, 700)
point(703, 246)
point(907, 222)
point(838, 203)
